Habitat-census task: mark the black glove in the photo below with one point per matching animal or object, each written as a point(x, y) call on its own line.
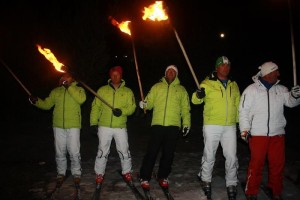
point(117, 112)
point(94, 129)
point(33, 99)
point(65, 84)
point(200, 93)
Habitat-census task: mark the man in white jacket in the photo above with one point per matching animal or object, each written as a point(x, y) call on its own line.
point(261, 116)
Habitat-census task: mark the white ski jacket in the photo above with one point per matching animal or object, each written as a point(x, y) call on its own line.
point(261, 111)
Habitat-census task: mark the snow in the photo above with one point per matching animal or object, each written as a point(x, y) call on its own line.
point(183, 178)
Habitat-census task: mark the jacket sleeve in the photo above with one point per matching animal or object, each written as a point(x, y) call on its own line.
point(237, 102)
point(290, 101)
point(185, 109)
point(150, 97)
point(47, 103)
point(78, 93)
point(95, 111)
point(130, 104)
point(245, 107)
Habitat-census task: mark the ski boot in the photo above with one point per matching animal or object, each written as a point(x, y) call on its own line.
point(59, 180)
point(99, 180)
point(127, 177)
point(164, 183)
point(231, 192)
point(206, 187)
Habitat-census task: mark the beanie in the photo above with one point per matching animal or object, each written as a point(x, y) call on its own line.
point(221, 61)
point(172, 67)
point(117, 69)
point(267, 68)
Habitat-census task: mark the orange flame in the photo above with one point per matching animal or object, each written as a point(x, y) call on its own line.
point(123, 26)
point(51, 57)
point(155, 12)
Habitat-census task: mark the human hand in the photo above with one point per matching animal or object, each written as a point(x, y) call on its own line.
point(245, 135)
point(200, 93)
point(33, 99)
point(185, 131)
point(295, 91)
point(117, 112)
point(143, 104)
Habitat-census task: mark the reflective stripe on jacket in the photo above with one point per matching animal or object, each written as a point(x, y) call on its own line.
point(122, 98)
point(66, 102)
point(221, 104)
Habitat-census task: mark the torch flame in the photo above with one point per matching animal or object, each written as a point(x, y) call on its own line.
point(155, 12)
point(123, 26)
point(51, 57)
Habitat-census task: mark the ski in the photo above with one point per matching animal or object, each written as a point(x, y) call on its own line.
point(138, 195)
point(267, 191)
point(164, 189)
point(167, 193)
point(148, 195)
point(77, 192)
point(97, 193)
point(55, 191)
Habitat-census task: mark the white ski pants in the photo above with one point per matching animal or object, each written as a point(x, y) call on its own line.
point(67, 141)
point(213, 135)
point(105, 136)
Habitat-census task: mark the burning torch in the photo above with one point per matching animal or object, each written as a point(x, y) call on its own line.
point(124, 27)
point(155, 12)
point(17, 79)
point(62, 68)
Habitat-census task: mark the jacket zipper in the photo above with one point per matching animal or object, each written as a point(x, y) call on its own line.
point(268, 112)
point(166, 104)
point(111, 118)
point(64, 108)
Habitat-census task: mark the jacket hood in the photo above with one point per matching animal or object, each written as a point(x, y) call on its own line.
point(213, 76)
point(175, 82)
point(256, 78)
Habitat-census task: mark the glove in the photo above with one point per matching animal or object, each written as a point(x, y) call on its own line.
point(143, 104)
point(33, 99)
point(200, 93)
point(295, 91)
point(94, 129)
point(245, 135)
point(185, 131)
point(66, 84)
point(117, 112)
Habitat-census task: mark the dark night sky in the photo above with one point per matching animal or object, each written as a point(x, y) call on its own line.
point(80, 35)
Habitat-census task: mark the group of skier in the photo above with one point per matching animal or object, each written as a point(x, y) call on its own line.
point(259, 112)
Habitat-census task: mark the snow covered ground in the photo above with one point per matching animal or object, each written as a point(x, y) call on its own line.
point(31, 155)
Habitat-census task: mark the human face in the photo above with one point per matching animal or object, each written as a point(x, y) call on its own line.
point(223, 71)
point(272, 77)
point(115, 77)
point(66, 77)
point(170, 75)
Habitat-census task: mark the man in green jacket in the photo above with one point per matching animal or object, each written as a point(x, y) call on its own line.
point(66, 99)
point(171, 111)
point(111, 123)
point(221, 96)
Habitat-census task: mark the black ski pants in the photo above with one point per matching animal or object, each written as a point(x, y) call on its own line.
point(162, 138)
